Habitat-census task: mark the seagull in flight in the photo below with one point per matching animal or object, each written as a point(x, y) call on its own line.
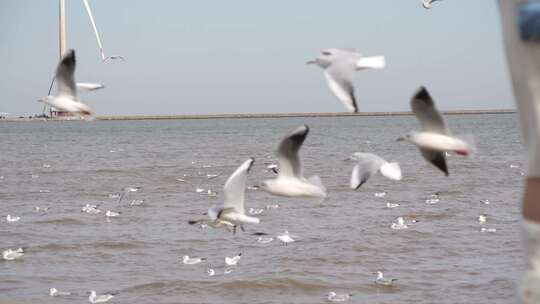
point(66, 99)
point(369, 164)
point(339, 66)
point(427, 3)
point(233, 211)
point(114, 57)
point(290, 181)
point(435, 138)
point(126, 191)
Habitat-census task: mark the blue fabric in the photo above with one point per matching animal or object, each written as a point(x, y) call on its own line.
point(529, 21)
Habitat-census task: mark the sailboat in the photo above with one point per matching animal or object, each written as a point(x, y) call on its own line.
point(81, 86)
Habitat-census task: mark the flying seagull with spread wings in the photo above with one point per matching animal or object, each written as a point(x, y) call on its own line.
point(339, 66)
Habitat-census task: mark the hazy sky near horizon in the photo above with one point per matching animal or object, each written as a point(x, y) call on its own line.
point(248, 56)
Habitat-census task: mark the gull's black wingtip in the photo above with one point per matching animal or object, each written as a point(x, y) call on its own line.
point(422, 93)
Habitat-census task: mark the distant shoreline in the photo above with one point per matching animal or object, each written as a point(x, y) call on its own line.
point(288, 115)
point(265, 115)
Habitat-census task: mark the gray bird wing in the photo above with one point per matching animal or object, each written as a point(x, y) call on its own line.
point(430, 118)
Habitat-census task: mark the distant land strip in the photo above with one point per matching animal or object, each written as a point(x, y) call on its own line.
point(282, 115)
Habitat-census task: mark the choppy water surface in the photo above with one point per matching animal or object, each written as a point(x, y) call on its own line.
point(444, 258)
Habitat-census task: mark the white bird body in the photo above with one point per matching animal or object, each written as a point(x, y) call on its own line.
point(339, 66)
point(439, 142)
point(488, 229)
point(53, 292)
point(333, 297)
point(94, 298)
point(110, 213)
point(399, 225)
point(285, 238)
point(482, 218)
point(391, 205)
point(233, 261)
point(68, 104)
point(211, 272)
point(294, 187)
point(191, 261)
point(11, 219)
point(290, 181)
point(381, 280)
point(369, 164)
point(10, 254)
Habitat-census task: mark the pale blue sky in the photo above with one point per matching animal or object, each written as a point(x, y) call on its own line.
point(248, 56)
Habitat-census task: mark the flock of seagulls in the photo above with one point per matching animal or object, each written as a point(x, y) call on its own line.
point(434, 141)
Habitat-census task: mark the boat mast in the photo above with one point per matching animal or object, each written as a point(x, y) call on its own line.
point(62, 23)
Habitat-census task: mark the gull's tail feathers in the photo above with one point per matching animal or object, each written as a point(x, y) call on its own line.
point(472, 149)
point(392, 171)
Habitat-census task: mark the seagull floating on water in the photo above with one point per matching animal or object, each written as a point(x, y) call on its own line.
point(12, 219)
point(94, 298)
point(285, 238)
point(53, 292)
point(380, 194)
point(233, 208)
point(482, 219)
point(339, 66)
point(110, 213)
point(334, 297)
point(256, 211)
point(191, 261)
point(233, 261)
point(381, 280)
point(136, 202)
point(10, 254)
point(211, 272)
point(290, 181)
point(391, 205)
point(435, 138)
point(66, 99)
point(399, 225)
point(91, 209)
point(488, 229)
point(369, 164)
point(264, 240)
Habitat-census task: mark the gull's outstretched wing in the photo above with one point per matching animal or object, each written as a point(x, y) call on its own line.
point(235, 187)
point(287, 152)
point(436, 158)
point(424, 108)
point(87, 86)
point(65, 76)
point(339, 76)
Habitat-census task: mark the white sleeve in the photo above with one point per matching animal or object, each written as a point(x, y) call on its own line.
point(524, 66)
